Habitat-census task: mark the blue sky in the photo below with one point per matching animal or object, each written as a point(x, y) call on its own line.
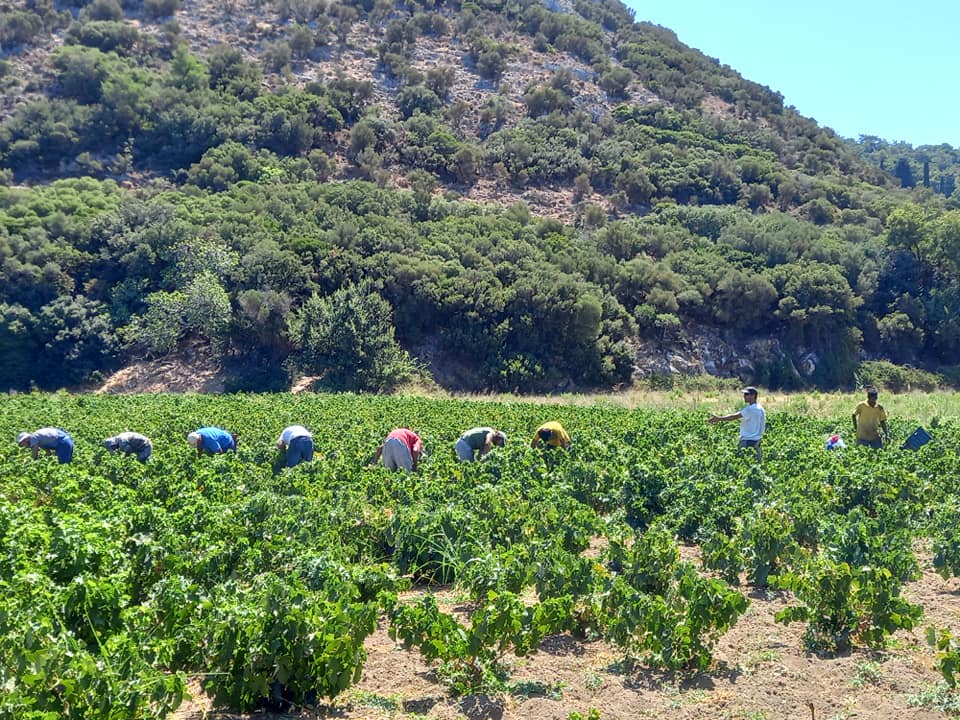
point(880, 68)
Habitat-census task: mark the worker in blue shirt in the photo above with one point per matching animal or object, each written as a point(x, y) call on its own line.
point(212, 440)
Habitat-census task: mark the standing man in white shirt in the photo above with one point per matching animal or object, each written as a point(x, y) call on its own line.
point(753, 421)
point(296, 442)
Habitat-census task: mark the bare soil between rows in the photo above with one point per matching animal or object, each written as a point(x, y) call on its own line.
point(761, 672)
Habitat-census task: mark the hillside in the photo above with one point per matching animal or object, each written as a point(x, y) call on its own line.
point(508, 195)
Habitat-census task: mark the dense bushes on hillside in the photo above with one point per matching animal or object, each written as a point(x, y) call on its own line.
point(142, 98)
point(933, 167)
point(747, 218)
point(92, 274)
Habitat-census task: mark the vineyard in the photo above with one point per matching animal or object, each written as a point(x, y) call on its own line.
point(128, 587)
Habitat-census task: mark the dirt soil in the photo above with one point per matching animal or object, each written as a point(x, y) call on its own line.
point(761, 672)
point(174, 374)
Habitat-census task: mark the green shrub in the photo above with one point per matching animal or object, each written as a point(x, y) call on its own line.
point(348, 337)
point(105, 35)
point(103, 10)
point(157, 9)
point(18, 28)
point(896, 378)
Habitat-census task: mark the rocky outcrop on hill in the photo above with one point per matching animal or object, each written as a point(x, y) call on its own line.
point(706, 351)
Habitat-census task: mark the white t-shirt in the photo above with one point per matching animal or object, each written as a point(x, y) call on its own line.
point(293, 431)
point(753, 421)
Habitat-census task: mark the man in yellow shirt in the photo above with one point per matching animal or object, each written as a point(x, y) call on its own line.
point(551, 434)
point(868, 419)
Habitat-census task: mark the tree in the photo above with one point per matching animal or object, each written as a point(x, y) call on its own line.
point(186, 71)
point(158, 330)
point(615, 80)
point(348, 338)
point(18, 27)
point(232, 74)
point(946, 241)
point(302, 41)
point(465, 163)
point(819, 211)
point(585, 319)
point(16, 346)
point(900, 337)
point(124, 102)
point(103, 10)
point(157, 9)
point(81, 72)
point(440, 80)
point(202, 307)
point(815, 295)
point(819, 308)
point(207, 308)
point(907, 230)
point(755, 195)
point(904, 173)
point(75, 338)
point(262, 320)
point(105, 35)
point(417, 97)
point(277, 55)
point(492, 63)
point(362, 136)
point(546, 99)
point(267, 266)
point(744, 300)
point(635, 184)
point(222, 166)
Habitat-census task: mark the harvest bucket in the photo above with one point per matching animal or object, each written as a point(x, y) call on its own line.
point(917, 439)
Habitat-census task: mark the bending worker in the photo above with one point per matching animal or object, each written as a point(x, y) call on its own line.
point(51, 439)
point(551, 435)
point(402, 448)
point(477, 442)
point(130, 443)
point(296, 443)
point(212, 440)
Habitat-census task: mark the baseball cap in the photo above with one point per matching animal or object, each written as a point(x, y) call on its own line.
point(22, 436)
point(749, 390)
point(194, 439)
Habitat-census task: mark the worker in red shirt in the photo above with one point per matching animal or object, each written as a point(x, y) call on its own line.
point(401, 449)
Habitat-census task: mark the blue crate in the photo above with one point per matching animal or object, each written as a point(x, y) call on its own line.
point(918, 438)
